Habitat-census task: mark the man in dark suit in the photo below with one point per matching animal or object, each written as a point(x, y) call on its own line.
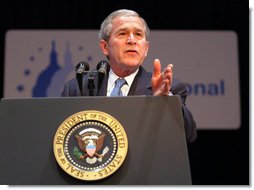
point(124, 41)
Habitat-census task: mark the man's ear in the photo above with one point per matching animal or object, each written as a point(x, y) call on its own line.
point(147, 47)
point(104, 47)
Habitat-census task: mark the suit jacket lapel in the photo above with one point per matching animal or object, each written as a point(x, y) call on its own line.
point(141, 84)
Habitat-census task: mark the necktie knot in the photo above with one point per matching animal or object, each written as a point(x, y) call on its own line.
point(117, 89)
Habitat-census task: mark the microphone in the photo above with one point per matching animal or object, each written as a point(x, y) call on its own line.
point(81, 69)
point(103, 67)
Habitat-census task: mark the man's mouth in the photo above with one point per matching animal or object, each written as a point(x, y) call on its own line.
point(131, 52)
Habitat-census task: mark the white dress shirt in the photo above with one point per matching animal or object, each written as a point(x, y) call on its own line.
point(126, 87)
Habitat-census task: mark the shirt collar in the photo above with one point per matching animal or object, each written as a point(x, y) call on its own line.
point(129, 79)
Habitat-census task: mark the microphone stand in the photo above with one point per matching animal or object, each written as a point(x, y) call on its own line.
point(80, 81)
point(81, 69)
point(91, 84)
point(102, 70)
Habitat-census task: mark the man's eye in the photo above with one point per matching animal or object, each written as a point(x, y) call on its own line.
point(122, 34)
point(139, 34)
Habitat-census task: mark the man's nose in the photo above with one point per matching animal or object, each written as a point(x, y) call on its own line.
point(131, 39)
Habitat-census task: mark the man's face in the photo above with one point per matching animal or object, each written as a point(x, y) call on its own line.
point(127, 46)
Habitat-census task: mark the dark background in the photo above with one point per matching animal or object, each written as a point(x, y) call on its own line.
point(217, 157)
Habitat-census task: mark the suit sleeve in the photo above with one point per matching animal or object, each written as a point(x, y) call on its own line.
point(178, 88)
point(71, 89)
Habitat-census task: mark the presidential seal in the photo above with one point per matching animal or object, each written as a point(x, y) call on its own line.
point(90, 145)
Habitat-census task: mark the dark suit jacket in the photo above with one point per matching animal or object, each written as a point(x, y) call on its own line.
point(140, 86)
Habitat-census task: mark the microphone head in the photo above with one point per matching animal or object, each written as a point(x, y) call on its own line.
point(81, 67)
point(103, 67)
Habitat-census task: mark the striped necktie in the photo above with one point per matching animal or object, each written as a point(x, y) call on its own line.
point(117, 89)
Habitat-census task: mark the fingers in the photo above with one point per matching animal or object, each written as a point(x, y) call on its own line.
point(161, 81)
point(156, 67)
point(168, 69)
point(163, 90)
point(166, 87)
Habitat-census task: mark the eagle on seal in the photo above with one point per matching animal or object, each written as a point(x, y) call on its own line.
point(90, 141)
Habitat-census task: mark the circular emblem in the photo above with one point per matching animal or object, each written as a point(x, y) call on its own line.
point(90, 145)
